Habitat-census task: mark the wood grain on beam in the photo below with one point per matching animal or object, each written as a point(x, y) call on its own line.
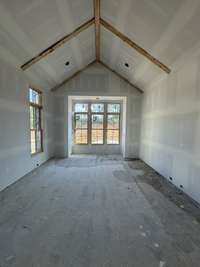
point(97, 27)
point(59, 43)
point(121, 77)
point(138, 48)
point(72, 76)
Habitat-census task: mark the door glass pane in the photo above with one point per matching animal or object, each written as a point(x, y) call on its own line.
point(113, 137)
point(113, 122)
point(81, 132)
point(81, 107)
point(97, 129)
point(97, 108)
point(97, 121)
point(97, 137)
point(113, 129)
point(81, 121)
point(113, 108)
point(81, 136)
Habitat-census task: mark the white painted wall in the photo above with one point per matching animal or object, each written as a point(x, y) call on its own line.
point(170, 135)
point(97, 81)
point(15, 158)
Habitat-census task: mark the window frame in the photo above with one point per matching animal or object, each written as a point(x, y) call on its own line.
point(104, 121)
point(74, 128)
point(38, 107)
point(118, 129)
point(105, 129)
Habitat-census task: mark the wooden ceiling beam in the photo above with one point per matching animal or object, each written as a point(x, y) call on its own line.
point(58, 44)
point(132, 44)
point(121, 77)
point(72, 76)
point(97, 27)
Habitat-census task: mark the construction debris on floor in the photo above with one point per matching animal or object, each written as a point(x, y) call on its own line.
point(97, 212)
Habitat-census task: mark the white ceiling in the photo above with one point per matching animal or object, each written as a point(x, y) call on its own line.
point(166, 29)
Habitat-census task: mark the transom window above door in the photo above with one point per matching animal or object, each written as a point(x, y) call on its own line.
point(97, 123)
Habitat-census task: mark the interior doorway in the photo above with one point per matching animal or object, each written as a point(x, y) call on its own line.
point(97, 125)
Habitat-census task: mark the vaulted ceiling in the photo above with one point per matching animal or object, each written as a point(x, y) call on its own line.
point(165, 29)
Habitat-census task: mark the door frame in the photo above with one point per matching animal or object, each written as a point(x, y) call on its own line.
point(122, 99)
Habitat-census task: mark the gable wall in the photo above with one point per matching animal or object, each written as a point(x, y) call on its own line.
point(98, 81)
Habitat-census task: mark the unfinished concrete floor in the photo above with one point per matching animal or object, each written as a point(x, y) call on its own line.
point(97, 212)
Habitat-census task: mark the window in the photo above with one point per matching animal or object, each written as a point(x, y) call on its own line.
point(113, 108)
point(113, 124)
point(81, 108)
point(97, 129)
point(81, 124)
point(97, 123)
point(96, 108)
point(36, 133)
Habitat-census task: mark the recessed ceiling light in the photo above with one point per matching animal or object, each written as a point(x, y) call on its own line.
point(126, 65)
point(67, 63)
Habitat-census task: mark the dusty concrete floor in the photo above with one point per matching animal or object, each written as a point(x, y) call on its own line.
point(97, 212)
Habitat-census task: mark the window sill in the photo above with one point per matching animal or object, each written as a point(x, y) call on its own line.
point(36, 153)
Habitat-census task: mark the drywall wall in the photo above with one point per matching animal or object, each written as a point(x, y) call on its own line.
point(15, 158)
point(97, 81)
point(170, 131)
